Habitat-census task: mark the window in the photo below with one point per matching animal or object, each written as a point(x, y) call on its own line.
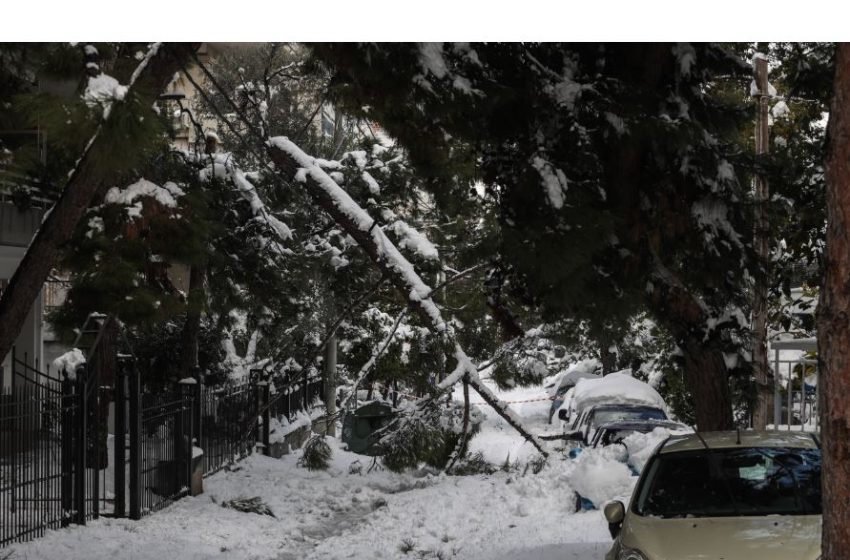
point(732, 482)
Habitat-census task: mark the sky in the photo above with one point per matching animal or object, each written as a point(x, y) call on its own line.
point(431, 20)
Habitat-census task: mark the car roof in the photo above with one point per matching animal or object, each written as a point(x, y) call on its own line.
point(748, 438)
point(621, 406)
point(637, 424)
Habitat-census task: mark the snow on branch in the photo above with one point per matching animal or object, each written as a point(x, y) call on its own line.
point(362, 227)
point(165, 195)
point(387, 252)
point(224, 166)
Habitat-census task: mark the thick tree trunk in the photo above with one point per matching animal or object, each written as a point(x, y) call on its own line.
point(708, 380)
point(606, 356)
point(706, 375)
point(79, 193)
point(761, 239)
point(834, 323)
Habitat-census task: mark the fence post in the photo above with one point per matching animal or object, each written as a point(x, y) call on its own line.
point(81, 444)
point(265, 414)
point(67, 443)
point(183, 431)
point(119, 441)
point(135, 397)
point(197, 393)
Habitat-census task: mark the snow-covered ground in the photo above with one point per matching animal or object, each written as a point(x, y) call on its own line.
point(343, 513)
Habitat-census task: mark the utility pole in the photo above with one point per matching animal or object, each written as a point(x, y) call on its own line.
point(761, 241)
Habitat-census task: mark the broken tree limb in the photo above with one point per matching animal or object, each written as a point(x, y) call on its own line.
point(298, 167)
point(153, 74)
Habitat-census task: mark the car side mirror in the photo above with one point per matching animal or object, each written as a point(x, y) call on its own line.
point(562, 414)
point(614, 512)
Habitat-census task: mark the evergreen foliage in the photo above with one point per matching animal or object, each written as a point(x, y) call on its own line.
point(316, 454)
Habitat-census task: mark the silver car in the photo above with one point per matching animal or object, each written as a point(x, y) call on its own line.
point(724, 495)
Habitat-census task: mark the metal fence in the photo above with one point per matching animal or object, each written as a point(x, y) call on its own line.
point(228, 421)
point(60, 463)
point(50, 454)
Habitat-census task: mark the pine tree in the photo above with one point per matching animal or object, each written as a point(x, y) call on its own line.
point(619, 167)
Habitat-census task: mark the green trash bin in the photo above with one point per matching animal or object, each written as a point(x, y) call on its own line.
point(360, 427)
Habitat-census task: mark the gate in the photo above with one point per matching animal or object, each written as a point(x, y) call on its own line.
point(52, 446)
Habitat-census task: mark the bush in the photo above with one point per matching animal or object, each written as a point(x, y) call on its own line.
point(426, 432)
point(316, 455)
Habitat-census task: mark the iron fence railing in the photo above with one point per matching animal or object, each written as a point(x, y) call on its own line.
point(62, 461)
point(228, 420)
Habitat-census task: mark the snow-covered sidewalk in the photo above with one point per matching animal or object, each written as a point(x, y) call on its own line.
point(348, 512)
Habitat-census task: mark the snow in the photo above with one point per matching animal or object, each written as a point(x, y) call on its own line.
point(165, 195)
point(615, 388)
point(641, 446)
point(374, 188)
point(102, 90)
point(352, 512)
point(600, 476)
point(419, 291)
point(414, 241)
point(579, 370)
point(554, 181)
point(69, 362)
point(780, 110)
point(224, 166)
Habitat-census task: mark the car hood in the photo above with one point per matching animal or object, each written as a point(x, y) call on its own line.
point(725, 538)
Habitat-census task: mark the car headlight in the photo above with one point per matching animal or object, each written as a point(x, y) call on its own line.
point(630, 554)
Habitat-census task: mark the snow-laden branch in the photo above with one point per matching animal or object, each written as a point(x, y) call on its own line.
point(223, 165)
point(357, 222)
point(385, 250)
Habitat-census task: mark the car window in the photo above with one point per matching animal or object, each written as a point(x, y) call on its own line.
point(606, 416)
point(614, 436)
point(578, 421)
point(732, 482)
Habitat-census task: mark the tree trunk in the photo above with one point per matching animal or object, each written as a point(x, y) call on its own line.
point(708, 381)
point(833, 317)
point(761, 239)
point(58, 226)
point(706, 375)
point(330, 385)
point(192, 327)
point(606, 356)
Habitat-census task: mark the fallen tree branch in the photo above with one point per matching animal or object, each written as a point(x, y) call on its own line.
point(294, 164)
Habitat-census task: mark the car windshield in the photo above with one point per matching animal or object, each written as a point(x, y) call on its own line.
point(732, 482)
point(608, 415)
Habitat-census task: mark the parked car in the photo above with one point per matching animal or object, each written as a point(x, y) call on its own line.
point(731, 495)
point(586, 423)
point(616, 432)
point(585, 369)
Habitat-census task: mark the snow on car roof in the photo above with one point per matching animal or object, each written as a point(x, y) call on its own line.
point(615, 388)
point(571, 375)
